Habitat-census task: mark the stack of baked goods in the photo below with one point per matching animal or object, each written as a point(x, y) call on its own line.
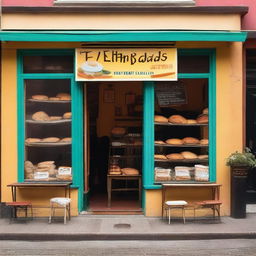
point(42, 116)
point(203, 117)
point(183, 172)
point(114, 170)
point(130, 171)
point(58, 97)
point(201, 172)
point(64, 173)
point(29, 170)
point(44, 170)
point(48, 140)
point(162, 174)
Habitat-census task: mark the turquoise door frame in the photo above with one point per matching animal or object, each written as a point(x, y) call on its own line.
point(148, 119)
point(77, 116)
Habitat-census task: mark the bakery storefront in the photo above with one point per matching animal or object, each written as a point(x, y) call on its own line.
point(118, 113)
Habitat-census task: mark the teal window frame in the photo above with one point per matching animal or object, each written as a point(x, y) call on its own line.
point(148, 118)
point(77, 115)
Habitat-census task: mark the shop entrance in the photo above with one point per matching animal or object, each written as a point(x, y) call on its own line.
point(114, 155)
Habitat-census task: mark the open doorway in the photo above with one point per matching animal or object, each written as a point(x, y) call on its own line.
point(114, 134)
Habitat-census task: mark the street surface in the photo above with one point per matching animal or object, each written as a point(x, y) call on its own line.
point(235, 247)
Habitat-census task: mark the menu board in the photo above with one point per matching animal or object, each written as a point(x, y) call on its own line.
point(171, 93)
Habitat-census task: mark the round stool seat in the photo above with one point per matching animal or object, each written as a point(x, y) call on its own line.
point(61, 200)
point(176, 203)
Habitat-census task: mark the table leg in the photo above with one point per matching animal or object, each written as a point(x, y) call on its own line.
point(109, 187)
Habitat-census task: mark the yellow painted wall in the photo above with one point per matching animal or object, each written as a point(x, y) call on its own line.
point(229, 118)
point(229, 131)
point(121, 21)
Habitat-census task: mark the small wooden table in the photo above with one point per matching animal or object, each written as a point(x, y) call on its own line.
point(213, 186)
point(14, 186)
point(110, 178)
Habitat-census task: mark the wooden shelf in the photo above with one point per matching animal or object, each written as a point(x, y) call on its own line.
point(50, 101)
point(170, 124)
point(49, 122)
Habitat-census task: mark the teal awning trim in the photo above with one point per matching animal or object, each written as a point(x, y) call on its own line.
point(121, 36)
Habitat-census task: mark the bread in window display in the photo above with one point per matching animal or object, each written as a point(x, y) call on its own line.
point(204, 141)
point(160, 142)
point(160, 119)
point(190, 140)
point(39, 97)
point(54, 98)
point(162, 174)
point(205, 111)
point(174, 141)
point(40, 116)
point(29, 169)
point(160, 157)
point(175, 156)
point(33, 140)
point(203, 156)
point(63, 96)
point(130, 171)
point(118, 131)
point(189, 155)
point(201, 173)
point(177, 119)
point(67, 139)
point(114, 170)
point(202, 119)
point(191, 121)
point(67, 177)
point(182, 173)
point(51, 139)
point(55, 118)
point(67, 115)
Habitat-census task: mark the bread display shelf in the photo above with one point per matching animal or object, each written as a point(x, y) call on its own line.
point(50, 101)
point(47, 144)
point(30, 121)
point(181, 181)
point(183, 160)
point(182, 145)
point(171, 124)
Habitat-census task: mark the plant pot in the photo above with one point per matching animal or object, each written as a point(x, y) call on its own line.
point(238, 191)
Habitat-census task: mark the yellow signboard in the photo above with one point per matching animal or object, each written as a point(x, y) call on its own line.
point(140, 64)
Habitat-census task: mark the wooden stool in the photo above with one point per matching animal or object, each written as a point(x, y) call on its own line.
point(168, 205)
point(212, 204)
point(20, 205)
point(62, 202)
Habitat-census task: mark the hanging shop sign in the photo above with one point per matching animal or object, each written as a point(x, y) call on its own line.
point(118, 64)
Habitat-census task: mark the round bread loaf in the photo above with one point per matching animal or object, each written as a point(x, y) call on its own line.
point(160, 119)
point(174, 141)
point(203, 156)
point(160, 142)
point(175, 156)
point(129, 171)
point(45, 163)
point(202, 119)
point(189, 155)
point(205, 111)
point(191, 121)
point(160, 157)
point(65, 98)
point(32, 140)
point(67, 115)
point(190, 140)
point(39, 97)
point(177, 119)
point(54, 98)
point(62, 94)
point(67, 139)
point(51, 139)
point(118, 131)
point(40, 116)
point(55, 118)
point(204, 141)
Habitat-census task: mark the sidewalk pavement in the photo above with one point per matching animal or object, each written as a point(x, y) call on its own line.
point(127, 227)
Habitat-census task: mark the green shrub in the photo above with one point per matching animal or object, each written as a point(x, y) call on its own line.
point(242, 159)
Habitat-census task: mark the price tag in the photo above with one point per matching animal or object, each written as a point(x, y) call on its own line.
point(64, 170)
point(41, 175)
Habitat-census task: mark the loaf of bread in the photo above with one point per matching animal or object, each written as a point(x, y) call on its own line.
point(191, 121)
point(118, 131)
point(67, 139)
point(45, 163)
point(67, 115)
point(202, 156)
point(40, 116)
point(29, 167)
point(174, 141)
point(190, 140)
point(64, 177)
point(129, 171)
point(162, 174)
point(160, 157)
point(189, 155)
point(205, 111)
point(177, 119)
point(201, 173)
point(32, 140)
point(175, 156)
point(39, 97)
point(160, 142)
point(160, 119)
point(54, 98)
point(204, 141)
point(202, 119)
point(65, 98)
point(182, 173)
point(114, 170)
point(62, 94)
point(55, 118)
point(51, 139)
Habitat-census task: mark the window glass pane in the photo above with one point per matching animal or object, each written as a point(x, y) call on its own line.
point(193, 64)
point(181, 131)
point(48, 64)
point(48, 130)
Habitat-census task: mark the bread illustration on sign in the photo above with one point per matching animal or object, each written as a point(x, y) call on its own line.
point(39, 97)
point(160, 119)
point(67, 115)
point(40, 116)
point(174, 141)
point(177, 119)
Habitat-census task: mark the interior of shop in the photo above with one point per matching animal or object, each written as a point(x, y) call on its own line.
point(114, 121)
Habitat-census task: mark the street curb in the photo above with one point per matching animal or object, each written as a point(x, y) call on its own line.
point(123, 236)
